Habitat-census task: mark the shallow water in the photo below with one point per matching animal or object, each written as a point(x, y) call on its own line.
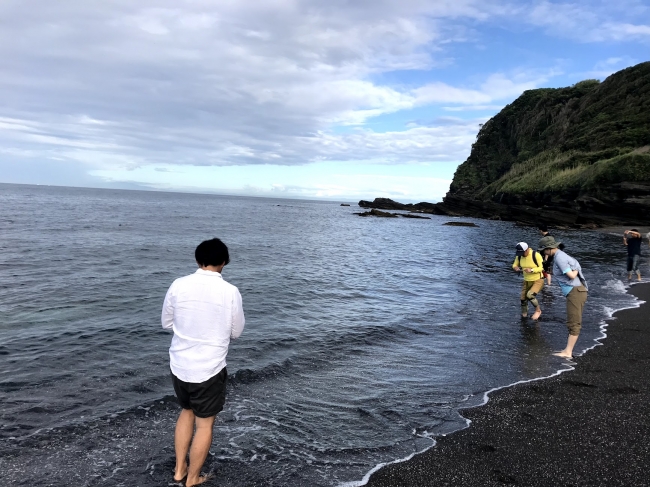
point(363, 338)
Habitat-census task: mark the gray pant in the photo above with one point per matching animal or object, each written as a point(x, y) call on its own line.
point(633, 263)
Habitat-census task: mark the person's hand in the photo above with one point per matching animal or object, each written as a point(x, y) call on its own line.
point(518, 269)
point(529, 270)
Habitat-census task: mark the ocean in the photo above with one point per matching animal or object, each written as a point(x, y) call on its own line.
point(364, 337)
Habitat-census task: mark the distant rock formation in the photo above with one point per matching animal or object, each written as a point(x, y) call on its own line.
point(461, 224)
point(386, 214)
point(411, 215)
point(388, 204)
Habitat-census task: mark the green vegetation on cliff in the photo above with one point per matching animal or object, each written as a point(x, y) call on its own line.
point(567, 142)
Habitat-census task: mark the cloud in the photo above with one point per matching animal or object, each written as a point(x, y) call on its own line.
point(590, 21)
point(496, 87)
point(123, 85)
point(602, 69)
point(622, 31)
point(470, 108)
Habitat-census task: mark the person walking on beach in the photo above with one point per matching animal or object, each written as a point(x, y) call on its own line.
point(548, 261)
point(568, 274)
point(530, 263)
point(632, 240)
point(204, 312)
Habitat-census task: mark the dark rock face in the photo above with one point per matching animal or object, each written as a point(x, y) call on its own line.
point(617, 208)
point(345, 204)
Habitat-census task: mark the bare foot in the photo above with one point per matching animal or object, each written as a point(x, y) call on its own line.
point(535, 317)
point(638, 278)
point(524, 315)
point(201, 479)
point(180, 476)
point(563, 354)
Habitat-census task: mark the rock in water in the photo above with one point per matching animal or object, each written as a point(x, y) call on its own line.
point(373, 212)
point(411, 215)
point(461, 224)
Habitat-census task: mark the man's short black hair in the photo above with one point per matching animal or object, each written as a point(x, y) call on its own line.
point(212, 252)
point(543, 227)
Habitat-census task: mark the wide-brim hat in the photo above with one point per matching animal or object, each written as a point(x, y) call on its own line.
point(548, 243)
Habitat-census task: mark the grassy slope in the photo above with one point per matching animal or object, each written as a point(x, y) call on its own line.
point(574, 140)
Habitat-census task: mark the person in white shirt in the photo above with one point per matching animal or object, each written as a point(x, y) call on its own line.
point(204, 312)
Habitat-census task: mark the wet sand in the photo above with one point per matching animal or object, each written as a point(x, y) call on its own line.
point(586, 427)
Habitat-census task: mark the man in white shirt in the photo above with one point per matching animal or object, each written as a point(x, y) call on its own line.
point(205, 312)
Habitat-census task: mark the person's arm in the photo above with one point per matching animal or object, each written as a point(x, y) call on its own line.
point(515, 267)
point(238, 320)
point(167, 317)
point(571, 274)
point(563, 262)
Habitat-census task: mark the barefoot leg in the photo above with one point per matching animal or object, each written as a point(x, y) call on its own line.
point(199, 451)
point(182, 438)
point(568, 351)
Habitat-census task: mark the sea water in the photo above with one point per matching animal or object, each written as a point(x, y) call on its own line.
point(364, 336)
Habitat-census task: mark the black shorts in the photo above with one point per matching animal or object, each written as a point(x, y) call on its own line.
point(205, 399)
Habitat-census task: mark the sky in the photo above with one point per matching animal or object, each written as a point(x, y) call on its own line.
point(338, 99)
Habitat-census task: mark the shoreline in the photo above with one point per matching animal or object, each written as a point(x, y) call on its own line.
point(618, 230)
point(586, 427)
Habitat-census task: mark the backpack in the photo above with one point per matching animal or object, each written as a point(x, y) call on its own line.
point(535, 254)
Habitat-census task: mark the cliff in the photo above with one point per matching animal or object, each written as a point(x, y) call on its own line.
point(576, 156)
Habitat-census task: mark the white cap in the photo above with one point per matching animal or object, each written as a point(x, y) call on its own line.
point(522, 247)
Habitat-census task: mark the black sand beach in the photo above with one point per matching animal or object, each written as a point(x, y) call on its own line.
point(586, 427)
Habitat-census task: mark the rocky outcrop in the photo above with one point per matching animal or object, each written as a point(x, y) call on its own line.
point(576, 156)
point(388, 204)
point(373, 212)
point(623, 204)
point(461, 224)
point(385, 214)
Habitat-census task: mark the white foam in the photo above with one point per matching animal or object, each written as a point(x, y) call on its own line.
point(364, 480)
point(615, 285)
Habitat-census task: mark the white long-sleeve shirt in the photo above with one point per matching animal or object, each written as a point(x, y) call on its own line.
point(205, 312)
